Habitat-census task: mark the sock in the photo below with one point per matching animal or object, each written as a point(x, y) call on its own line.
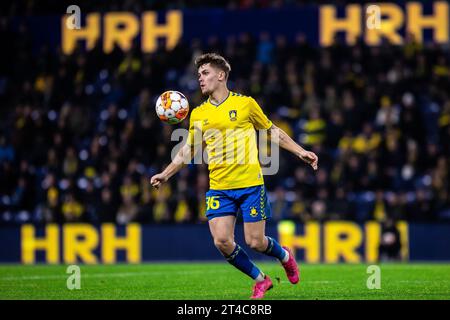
point(241, 261)
point(275, 250)
point(260, 277)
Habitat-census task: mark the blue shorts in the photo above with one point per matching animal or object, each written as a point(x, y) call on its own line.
point(252, 201)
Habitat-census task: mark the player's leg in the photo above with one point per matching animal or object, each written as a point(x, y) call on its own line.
point(257, 240)
point(221, 209)
point(265, 284)
point(222, 231)
point(256, 210)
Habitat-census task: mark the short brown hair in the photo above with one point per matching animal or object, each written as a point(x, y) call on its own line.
point(215, 60)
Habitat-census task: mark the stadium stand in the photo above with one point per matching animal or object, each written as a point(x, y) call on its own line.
point(79, 137)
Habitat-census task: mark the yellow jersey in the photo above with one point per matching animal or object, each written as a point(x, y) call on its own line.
point(228, 131)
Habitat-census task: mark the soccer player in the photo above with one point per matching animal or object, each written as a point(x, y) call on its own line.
point(239, 183)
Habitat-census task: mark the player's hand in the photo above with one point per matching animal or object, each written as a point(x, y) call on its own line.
point(310, 158)
point(157, 180)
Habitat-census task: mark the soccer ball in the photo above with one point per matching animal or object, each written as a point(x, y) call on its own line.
point(172, 107)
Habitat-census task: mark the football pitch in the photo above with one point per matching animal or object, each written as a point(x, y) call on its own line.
point(217, 281)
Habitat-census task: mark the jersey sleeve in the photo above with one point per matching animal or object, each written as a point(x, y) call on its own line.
point(257, 116)
point(195, 133)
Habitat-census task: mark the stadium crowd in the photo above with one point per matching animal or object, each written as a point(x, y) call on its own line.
point(79, 136)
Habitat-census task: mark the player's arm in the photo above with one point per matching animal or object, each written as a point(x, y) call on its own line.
point(282, 138)
point(184, 155)
point(260, 121)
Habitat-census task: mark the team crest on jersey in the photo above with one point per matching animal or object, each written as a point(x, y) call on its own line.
point(233, 115)
point(253, 212)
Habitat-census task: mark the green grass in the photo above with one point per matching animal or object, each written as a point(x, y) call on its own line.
point(179, 281)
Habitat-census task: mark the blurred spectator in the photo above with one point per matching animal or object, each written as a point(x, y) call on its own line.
point(390, 243)
point(380, 209)
point(265, 49)
point(313, 129)
point(128, 210)
point(367, 140)
point(72, 209)
point(280, 204)
point(340, 208)
point(6, 150)
point(106, 208)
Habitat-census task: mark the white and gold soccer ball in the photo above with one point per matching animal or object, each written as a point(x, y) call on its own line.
point(172, 107)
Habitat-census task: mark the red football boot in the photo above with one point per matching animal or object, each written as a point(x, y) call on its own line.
point(260, 288)
point(291, 268)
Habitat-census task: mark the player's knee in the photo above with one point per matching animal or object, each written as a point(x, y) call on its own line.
point(224, 244)
point(256, 244)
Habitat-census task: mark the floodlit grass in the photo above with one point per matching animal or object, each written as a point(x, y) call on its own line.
point(217, 281)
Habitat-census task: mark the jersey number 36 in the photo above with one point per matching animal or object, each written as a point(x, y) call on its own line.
point(212, 203)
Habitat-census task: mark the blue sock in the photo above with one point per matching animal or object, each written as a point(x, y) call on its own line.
point(274, 249)
point(241, 261)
